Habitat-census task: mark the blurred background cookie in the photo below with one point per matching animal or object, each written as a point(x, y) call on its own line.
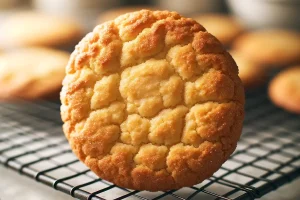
point(284, 89)
point(31, 73)
point(270, 47)
point(251, 73)
point(224, 27)
point(35, 29)
point(113, 13)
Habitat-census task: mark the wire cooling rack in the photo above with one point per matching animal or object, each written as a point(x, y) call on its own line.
point(267, 156)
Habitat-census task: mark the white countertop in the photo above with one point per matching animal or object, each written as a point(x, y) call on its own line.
point(15, 187)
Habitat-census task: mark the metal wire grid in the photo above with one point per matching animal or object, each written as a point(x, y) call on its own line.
point(268, 155)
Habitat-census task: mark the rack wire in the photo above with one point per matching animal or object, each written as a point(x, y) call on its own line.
point(267, 156)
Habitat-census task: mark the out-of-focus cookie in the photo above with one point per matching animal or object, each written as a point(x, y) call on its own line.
point(251, 73)
point(31, 73)
point(155, 104)
point(224, 27)
point(35, 29)
point(270, 47)
point(114, 13)
point(284, 89)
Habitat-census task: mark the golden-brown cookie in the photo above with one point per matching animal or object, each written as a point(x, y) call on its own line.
point(251, 73)
point(270, 47)
point(115, 12)
point(35, 29)
point(284, 89)
point(152, 101)
point(31, 73)
point(224, 27)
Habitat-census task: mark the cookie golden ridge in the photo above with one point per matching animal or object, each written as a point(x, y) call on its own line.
point(284, 89)
point(151, 101)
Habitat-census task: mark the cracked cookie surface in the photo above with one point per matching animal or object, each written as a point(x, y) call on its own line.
point(152, 101)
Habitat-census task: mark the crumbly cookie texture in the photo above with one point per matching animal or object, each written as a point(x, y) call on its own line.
point(152, 101)
point(284, 89)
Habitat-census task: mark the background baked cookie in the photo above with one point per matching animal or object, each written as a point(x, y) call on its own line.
point(113, 13)
point(224, 27)
point(251, 73)
point(35, 29)
point(270, 47)
point(284, 89)
point(31, 73)
point(152, 101)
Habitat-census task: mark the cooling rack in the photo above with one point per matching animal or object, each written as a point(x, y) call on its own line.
point(267, 156)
